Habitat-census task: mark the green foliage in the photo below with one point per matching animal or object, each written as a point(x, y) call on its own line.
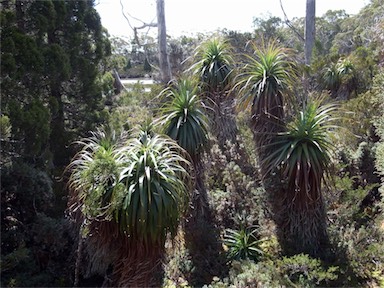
point(49, 71)
point(178, 265)
point(243, 243)
point(327, 27)
point(30, 124)
point(296, 271)
point(305, 271)
point(27, 190)
point(234, 189)
point(356, 119)
point(378, 99)
point(15, 258)
point(213, 64)
point(107, 82)
point(140, 183)
point(365, 249)
point(264, 80)
point(304, 150)
point(34, 247)
point(183, 117)
point(268, 28)
point(5, 127)
point(355, 230)
point(147, 66)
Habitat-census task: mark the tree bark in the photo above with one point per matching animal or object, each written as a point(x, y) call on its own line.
point(309, 29)
point(165, 69)
point(118, 86)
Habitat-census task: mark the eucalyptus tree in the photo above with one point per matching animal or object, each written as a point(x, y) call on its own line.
point(165, 68)
point(310, 17)
point(292, 157)
point(128, 194)
point(164, 64)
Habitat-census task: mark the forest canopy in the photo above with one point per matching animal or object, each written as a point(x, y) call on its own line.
point(252, 167)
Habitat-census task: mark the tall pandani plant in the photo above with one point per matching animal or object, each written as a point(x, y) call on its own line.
point(265, 85)
point(214, 68)
point(303, 155)
point(129, 193)
point(293, 156)
point(184, 120)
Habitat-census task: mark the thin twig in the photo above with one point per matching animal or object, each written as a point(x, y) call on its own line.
point(144, 24)
point(290, 24)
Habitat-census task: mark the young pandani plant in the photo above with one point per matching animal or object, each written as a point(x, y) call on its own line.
point(243, 243)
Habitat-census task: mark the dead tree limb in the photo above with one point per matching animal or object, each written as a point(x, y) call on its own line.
point(289, 24)
point(144, 24)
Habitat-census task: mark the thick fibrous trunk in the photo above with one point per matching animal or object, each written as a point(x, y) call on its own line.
point(165, 68)
point(299, 216)
point(309, 30)
point(300, 219)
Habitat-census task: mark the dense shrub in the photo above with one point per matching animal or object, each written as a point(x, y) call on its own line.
point(296, 271)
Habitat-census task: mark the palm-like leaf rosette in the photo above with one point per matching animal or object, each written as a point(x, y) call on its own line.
point(265, 84)
point(141, 183)
point(157, 186)
point(214, 65)
point(303, 151)
point(184, 119)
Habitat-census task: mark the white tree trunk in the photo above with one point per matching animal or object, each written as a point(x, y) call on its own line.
point(165, 69)
point(309, 30)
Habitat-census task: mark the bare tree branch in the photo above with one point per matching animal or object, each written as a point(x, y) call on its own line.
point(144, 25)
point(125, 16)
point(160, 24)
point(290, 24)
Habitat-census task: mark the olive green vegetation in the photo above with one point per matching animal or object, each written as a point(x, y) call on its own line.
point(137, 186)
point(184, 119)
point(175, 186)
point(213, 67)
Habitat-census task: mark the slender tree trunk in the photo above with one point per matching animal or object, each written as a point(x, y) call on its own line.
point(20, 14)
point(309, 30)
point(118, 86)
point(57, 137)
point(165, 68)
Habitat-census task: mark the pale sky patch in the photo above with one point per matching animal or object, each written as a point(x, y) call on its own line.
point(193, 16)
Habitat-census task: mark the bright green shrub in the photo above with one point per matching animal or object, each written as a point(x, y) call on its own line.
point(243, 243)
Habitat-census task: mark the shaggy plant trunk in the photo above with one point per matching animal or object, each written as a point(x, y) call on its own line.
point(123, 261)
point(223, 118)
point(140, 266)
point(199, 197)
point(266, 122)
point(300, 219)
point(299, 215)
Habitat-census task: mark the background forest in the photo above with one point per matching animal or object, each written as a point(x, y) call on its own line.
point(249, 168)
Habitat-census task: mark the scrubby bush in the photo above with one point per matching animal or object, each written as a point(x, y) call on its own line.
point(296, 271)
point(34, 247)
